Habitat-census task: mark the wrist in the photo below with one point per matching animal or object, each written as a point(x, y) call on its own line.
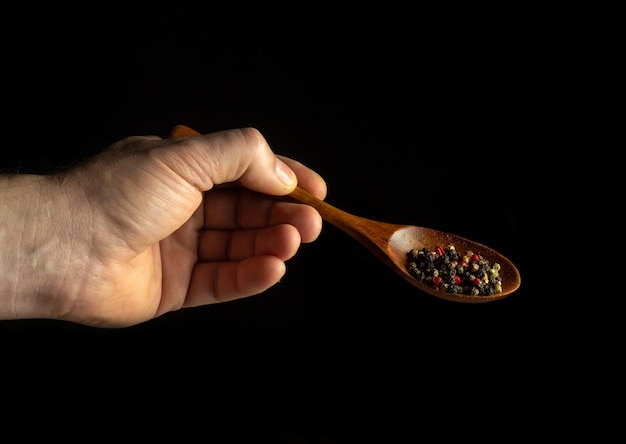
point(34, 254)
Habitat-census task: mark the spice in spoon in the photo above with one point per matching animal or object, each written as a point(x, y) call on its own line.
point(446, 269)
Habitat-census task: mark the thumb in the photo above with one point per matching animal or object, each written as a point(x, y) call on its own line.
point(241, 155)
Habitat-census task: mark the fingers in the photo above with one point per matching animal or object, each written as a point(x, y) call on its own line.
point(281, 241)
point(307, 178)
point(234, 264)
point(236, 208)
point(241, 155)
point(214, 282)
point(252, 159)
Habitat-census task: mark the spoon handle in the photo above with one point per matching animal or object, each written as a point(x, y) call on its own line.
point(339, 218)
point(328, 212)
point(372, 234)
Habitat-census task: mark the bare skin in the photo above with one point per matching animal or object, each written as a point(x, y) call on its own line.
point(151, 226)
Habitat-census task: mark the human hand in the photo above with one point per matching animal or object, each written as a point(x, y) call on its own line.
point(153, 225)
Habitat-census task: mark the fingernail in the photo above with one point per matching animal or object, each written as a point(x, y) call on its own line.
point(285, 174)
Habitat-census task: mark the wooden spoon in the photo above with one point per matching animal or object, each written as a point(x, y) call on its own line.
point(391, 243)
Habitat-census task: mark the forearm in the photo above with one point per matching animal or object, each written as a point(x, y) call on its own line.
point(33, 249)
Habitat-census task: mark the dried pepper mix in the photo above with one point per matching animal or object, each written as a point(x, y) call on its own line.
point(446, 269)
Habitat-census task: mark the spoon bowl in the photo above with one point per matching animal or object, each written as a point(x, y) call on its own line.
point(391, 243)
point(406, 238)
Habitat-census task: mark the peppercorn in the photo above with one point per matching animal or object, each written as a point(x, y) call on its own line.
point(447, 269)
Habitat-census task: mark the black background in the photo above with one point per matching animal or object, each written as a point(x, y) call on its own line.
point(427, 118)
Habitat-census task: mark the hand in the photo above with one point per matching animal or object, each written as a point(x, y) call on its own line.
point(153, 225)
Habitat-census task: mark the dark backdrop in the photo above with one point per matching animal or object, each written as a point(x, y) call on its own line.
point(426, 118)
